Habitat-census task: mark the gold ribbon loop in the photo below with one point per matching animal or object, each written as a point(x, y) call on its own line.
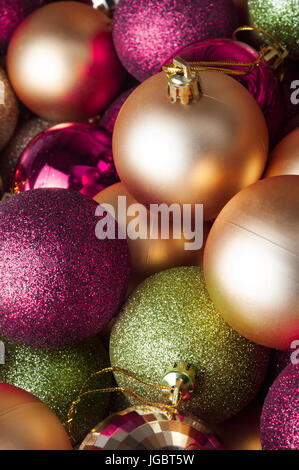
point(169, 410)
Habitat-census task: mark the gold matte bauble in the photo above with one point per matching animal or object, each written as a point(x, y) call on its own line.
point(203, 152)
point(8, 110)
point(149, 256)
point(242, 432)
point(62, 63)
point(28, 424)
point(251, 262)
point(284, 159)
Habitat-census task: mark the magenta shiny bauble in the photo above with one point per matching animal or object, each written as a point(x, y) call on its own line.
point(74, 156)
point(109, 117)
point(146, 32)
point(59, 283)
point(280, 415)
point(12, 13)
point(261, 83)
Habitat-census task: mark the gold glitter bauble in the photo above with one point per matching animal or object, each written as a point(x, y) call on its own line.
point(8, 110)
point(171, 318)
point(56, 376)
point(280, 18)
point(24, 133)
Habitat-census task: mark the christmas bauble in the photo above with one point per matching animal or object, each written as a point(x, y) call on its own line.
point(56, 376)
point(170, 318)
point(62, 64)
point(289, 126)
point(12, 13)
point(251, 262)
point(203, 152)
point(242, 431)
point(284, 159)
point(74, 156)
point(261, 82)
point(109, 117)
point(8, 110)
point(149, 254)
point(146, 32)
point(278, 18)
point(24, 133)
point(59, 282)
point(147, 428)
point(27, 424)
point(280, 416)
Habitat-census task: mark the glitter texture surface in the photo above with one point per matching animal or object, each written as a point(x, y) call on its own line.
point(146, 32)
point(261, 83)
point(8, 110)
point(24, 134)
point(12, 13)
point(56, 377)
point(170, 318)
point(110, 115)
point(280, 18)
point(58, 282)
point(280, 416)
point(73, 155)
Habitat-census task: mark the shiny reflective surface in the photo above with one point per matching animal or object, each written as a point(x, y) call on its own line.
point(62, 63)
point(200, 153)
point(74, 156)
point(284, 160)
point(140, 428)
point(251, 262)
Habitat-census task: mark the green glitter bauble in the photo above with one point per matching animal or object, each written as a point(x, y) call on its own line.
point(170, 318)
point(280, 18)
point(56, 376)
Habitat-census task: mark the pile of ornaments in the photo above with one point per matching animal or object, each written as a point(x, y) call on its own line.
point(93, 107)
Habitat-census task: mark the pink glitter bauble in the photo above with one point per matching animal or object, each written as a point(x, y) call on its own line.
point(12, 13)
point(261, 83)
point(146, 32)
point(280, 415)
point(59, 283)
point(74, 156)
point(110, 115)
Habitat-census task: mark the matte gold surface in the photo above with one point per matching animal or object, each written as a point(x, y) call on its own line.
point(62, 64)
point(27, 424)
point(151, 256)
point(8, 110)
point(204, 152)
point(251, 262)
point(242, 432)
point(284, 160)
